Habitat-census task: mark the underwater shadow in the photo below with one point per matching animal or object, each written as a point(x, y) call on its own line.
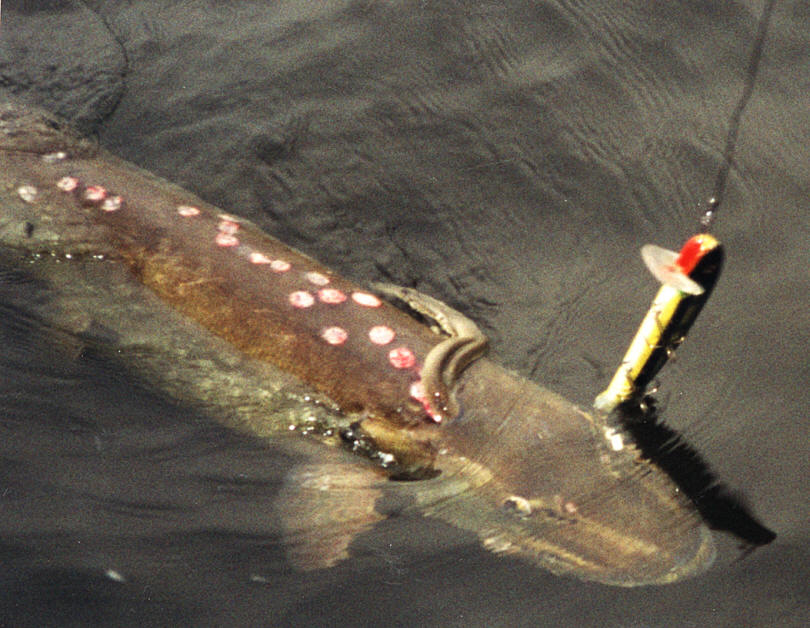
point(718, 504)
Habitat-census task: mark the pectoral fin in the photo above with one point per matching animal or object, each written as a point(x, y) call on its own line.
point(446, 361)
point(323, 506)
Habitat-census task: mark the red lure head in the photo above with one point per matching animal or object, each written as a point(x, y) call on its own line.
point(693, 251)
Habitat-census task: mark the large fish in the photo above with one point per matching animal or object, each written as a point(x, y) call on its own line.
point(268, 340)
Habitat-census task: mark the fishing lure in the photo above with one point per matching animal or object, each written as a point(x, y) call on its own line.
point(688, 278)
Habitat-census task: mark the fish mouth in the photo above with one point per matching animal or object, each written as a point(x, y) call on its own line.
point(646, 542)
point(598, 553)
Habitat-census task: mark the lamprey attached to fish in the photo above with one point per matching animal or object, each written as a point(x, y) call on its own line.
point(221, 316)
point(444, 362)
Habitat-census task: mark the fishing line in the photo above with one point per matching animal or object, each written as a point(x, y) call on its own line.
point(688, 278)
point(751, 72)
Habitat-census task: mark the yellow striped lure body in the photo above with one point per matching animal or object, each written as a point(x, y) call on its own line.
point(688, 278)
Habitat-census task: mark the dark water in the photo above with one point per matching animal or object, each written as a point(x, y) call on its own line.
point(507, 157)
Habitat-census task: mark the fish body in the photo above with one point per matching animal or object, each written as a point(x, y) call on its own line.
point(274, 342)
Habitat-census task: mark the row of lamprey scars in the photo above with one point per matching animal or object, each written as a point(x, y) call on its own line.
point(688, 278)
point(446, 361)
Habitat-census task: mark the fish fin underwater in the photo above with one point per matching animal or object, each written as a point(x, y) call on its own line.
point(373, 404)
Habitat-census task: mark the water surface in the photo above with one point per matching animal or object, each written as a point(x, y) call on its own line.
point(509, 158)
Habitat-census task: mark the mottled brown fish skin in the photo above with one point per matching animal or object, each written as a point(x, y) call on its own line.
point(240, 284)
point(249, 304)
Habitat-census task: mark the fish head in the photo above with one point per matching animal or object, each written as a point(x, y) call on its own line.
point(536, 477)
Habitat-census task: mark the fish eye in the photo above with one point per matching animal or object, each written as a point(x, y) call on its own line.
point(517, 505)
